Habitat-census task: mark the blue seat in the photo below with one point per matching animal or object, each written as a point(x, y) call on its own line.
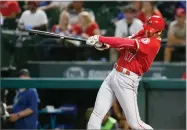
point(63, 117)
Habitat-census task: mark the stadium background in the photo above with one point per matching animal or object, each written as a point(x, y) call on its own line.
point(71, 76)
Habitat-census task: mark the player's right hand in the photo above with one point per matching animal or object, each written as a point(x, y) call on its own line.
point(91, 41)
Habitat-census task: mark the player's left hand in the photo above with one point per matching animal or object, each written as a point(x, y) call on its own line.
point(93, 40)
point(13, 117)
point(102, 47)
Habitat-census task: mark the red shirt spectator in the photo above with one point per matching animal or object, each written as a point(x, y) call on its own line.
point(86, 27)
point(63, 27)
point(89, 30)
point(148, 9)
point(9, 9)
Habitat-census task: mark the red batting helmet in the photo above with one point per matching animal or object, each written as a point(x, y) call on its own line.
point(154, 24)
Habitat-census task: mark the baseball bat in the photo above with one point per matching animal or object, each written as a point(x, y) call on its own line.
point(53, 35)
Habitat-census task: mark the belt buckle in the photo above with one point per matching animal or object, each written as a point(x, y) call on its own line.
point(118, 68)
point(127, 72)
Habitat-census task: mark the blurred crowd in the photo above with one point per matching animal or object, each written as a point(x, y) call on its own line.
point(73, 19)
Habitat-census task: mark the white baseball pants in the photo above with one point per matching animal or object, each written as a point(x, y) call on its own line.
point(124, 88)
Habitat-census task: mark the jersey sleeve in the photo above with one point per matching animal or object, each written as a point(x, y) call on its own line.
point(117, 42)
point(138, 34)
point(147, 45)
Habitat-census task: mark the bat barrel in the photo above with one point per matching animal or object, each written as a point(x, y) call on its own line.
point(43, 33)
point(72, 38)
point(53, 35)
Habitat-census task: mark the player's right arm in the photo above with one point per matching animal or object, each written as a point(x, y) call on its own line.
point(138, 34)
point(117, 42)
point(113, 42)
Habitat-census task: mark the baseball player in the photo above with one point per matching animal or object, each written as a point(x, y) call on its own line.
point(137, 53)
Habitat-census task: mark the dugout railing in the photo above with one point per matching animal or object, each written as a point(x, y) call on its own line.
point(162, 102)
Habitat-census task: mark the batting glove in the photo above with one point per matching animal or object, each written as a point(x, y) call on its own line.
point(102, 47)
point(93, 40)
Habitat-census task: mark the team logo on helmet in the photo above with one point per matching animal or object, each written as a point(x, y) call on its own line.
point(145, 40)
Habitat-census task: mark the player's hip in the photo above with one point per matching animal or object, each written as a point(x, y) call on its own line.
point(122, 80)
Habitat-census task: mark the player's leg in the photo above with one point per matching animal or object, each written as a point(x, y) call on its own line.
point(104, 100)
point(128, 100)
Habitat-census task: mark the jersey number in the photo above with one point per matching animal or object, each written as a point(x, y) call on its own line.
point(129, 54)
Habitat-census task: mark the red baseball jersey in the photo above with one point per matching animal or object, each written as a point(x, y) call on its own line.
point(136, 55)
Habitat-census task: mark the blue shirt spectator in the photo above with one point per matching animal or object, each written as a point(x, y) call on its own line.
point(24, 111)
point(26, 99)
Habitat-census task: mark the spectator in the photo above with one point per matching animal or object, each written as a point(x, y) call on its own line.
point(33, 18)
point(148, 9)
point(63, 26)
point(176, 36)
point(130, 24)
point(75, 8)
point(9, 9)
point(25, 107)
point(126, 27)
point(121, 15)
point(86, 27)
point(109, 123)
